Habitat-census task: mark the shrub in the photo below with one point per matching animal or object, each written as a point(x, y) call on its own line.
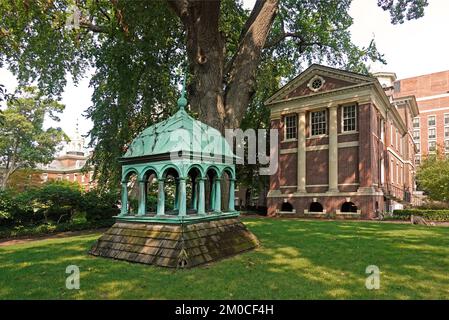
point(55, 201)
point(99, 205)
point(15, 211)
point(428, 214)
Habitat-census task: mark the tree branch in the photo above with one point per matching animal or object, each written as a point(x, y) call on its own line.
point(92, 27)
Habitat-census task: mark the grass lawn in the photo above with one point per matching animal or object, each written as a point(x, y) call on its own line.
point(297, 260)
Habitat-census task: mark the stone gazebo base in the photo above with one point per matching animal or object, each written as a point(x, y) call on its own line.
point(175, 245)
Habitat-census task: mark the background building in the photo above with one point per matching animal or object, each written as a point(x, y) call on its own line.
point(70, 164)
point(431, 127)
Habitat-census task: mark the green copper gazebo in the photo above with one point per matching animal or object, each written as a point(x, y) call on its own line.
point(198, 227)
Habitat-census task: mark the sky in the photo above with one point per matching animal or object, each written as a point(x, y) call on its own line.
point(411, 49)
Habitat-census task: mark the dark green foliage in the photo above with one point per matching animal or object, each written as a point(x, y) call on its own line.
point(428, 214)
point(55, 203)
point(100, 205)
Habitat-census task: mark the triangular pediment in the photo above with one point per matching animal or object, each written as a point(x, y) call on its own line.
point(318, 79)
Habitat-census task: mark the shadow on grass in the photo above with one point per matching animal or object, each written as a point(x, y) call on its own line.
point(297, 260)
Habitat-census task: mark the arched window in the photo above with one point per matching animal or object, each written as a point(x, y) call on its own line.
point(287, 207)
point(315, 207)
point(348, 207)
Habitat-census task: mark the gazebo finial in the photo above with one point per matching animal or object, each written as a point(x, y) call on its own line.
point(182, 101)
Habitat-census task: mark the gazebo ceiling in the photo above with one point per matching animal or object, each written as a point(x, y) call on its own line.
point(180, 132)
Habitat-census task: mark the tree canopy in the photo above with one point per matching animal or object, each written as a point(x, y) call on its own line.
point(23, 141)
point(236, 57)
point(432, 177)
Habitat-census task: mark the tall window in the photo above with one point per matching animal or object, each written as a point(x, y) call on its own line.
point(446, 145)
point(446, 132)
point(349, 118)
point(318, 122)
point(397, 173)
point(432, 146)
point(415, 122)
point(432, 133)
point(397, 139)
point(417, 160)
point(290, 127)
point(418, 147)
point(431, 121)
point(416, 135)
point(446, 119)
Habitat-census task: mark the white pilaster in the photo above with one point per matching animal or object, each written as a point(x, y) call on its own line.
point(333, 149)
point(301, 169)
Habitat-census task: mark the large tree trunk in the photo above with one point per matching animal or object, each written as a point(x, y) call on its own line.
point(222, 103)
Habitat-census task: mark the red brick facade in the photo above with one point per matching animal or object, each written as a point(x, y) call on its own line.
point(372, 168)
point(432, 94)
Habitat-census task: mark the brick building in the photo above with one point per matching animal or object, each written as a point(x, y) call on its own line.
point(431, 127)
point(70, 165)
point(345, 148)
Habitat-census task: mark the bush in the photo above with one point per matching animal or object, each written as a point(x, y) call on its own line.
point(99, 205)
point(428, 214)
point(54, 201)
point(14, 211)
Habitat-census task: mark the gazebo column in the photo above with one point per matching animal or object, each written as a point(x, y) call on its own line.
point(160, 198)
point(124, 209)
point(142, 198)
point(231, 204)
point(194, 194)
point(217, 198)
point(201, 197)
point(182, 197)
point(176, 205)
point(212, 195)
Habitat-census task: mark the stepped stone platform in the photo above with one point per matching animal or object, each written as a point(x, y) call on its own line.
point(175, 245)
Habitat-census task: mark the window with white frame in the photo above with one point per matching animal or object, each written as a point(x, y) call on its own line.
point(397, 173)
point(382, 129)
point(318, 123)
point(446, 119)
point(446, 145)
point(349, 118)
point(446, 132)
point(432, 146)
point(397, 138)
point(416, 134)
point(45, 177)
point(417, 160)
point(416, 122)
point(290, 127)
point(431, 121)
point(392, 172)
point(432, 133)
point(391, 134)
point(418, 147)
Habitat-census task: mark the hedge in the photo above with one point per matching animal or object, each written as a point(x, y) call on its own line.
point(428, 214)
